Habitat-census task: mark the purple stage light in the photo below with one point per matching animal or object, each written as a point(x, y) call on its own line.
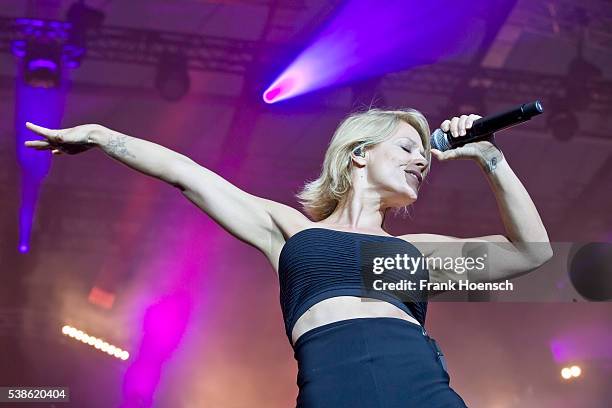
point(282, 88)
point(582, 343)
point(368, 38)
point(163, 327)
point(42, 64)
point(45, 107)
point(48, 46)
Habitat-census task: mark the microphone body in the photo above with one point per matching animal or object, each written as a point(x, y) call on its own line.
point(484, 127)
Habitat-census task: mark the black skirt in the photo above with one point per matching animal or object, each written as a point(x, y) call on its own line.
point(379, 362)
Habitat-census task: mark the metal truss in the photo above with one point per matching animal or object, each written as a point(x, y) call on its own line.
point(216, 54)
point(502, 84)
point(146, 47)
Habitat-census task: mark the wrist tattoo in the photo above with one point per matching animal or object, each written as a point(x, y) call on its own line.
point(491, 158)
point(116, 145)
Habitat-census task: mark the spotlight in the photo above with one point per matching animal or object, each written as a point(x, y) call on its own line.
point(561, 120)
point(42, 64)
point(575, 371)
point(172, 78)
point(282, 88)
point(566, 373)
point(580, 73)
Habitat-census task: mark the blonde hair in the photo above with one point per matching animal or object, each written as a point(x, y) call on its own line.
point(360, 129)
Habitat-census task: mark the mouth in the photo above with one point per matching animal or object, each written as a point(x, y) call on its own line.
point(415, 175)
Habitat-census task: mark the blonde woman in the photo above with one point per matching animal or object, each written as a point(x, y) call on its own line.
point(350, 352)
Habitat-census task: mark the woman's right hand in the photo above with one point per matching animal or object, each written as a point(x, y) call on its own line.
point(71, 141)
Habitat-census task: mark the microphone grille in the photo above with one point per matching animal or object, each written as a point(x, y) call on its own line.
point(439, 140)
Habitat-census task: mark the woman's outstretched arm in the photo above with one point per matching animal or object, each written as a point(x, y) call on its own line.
point(257, 221)
point(146, 157)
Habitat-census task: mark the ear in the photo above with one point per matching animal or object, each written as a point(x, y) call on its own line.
point(358, 157)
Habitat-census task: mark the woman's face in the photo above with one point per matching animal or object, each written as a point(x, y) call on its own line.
point(396, 166)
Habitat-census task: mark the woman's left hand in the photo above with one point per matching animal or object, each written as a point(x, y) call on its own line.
point(478, 151)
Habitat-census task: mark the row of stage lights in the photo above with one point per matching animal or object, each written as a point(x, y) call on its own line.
point(95, 342)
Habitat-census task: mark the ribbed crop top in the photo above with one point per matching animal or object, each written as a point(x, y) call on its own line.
point(321, 263)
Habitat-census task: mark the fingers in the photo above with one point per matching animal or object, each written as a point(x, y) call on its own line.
point(43, 131)
point(445, 126)
point(454, 126)
point(458, 125)
point(461, 125)
point(470, 120)
point(447, 155)
point(37, 144)
point(50, 134)
point(43, 145)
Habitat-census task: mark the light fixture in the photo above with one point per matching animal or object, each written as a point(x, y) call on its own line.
point(82, 19)
point(42, 64)
point(580, 73)
point(95, 342)
point(172, 77)
point(567, 373)
point(562, 121)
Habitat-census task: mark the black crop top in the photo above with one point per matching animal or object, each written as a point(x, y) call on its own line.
point(321, 263)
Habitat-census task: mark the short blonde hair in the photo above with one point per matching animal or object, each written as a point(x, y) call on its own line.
point(360, 129)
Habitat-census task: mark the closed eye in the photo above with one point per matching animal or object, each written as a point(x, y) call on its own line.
point(406, 149)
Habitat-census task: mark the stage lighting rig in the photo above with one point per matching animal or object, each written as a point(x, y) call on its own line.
point(562, 121)
point(172, 77)
point(41, 47)
point(42, 64)
point(83, 20)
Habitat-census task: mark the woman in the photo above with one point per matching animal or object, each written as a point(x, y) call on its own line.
point(350, 352)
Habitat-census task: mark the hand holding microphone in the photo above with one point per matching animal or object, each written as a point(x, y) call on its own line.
point(472, 136)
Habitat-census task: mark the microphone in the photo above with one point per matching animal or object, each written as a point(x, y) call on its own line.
point(484, 127)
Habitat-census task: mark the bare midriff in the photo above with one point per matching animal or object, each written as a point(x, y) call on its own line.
point(345, 307)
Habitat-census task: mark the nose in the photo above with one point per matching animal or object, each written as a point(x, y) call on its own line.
point(422, 163)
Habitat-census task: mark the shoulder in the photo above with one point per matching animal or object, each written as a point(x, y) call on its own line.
point(436, 238)
point(429, 244)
